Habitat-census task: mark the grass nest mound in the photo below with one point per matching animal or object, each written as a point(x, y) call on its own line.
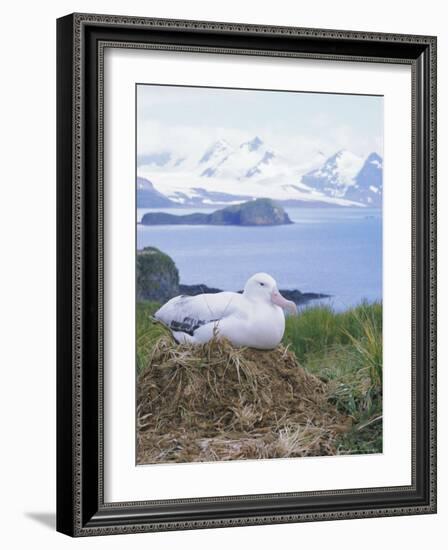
point(216, 402)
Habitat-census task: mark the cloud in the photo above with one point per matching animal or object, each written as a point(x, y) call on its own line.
point(156, 137)
point(186, 120)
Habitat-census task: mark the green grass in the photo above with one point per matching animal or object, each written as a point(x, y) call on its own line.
point(343, 349)
point(147, 332)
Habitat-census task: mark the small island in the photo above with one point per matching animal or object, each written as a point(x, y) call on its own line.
point(259, 212)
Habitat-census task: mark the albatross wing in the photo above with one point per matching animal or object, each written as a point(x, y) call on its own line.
point(186, 314)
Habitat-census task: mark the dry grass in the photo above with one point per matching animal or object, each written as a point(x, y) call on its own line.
point(215, 402)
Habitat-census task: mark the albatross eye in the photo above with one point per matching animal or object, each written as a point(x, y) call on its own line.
point(261, 284)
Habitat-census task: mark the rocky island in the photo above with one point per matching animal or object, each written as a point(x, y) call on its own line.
point(258, 212)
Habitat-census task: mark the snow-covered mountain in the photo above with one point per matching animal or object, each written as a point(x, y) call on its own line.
point(250, 159)
point(226, 174)
point(368, 187)
point(148, 197)
point(349, 176)
point(335, 175)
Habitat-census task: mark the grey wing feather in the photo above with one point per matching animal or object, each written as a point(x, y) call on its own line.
point(188, 313)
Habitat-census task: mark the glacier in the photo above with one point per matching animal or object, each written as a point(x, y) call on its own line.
point(226, 173)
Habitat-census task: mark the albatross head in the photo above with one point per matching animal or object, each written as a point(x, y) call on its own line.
point(263, 287)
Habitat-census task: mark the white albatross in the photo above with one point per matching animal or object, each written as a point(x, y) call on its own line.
point(254, 318)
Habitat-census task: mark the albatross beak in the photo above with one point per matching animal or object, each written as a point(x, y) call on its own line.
point(278, 299)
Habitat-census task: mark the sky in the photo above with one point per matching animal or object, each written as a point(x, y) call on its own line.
point(188, 120)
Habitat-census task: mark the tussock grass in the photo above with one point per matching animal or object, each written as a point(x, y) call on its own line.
point(147, 333)
point(319, 393)
point(346, 351)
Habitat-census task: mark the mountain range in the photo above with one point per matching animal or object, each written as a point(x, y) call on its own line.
point(226, 174)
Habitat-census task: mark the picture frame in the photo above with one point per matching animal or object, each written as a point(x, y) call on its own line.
point(81, 506)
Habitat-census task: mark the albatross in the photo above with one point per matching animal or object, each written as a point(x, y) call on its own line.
point(253, 319)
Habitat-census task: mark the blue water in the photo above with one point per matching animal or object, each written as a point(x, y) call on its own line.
point(333, 251)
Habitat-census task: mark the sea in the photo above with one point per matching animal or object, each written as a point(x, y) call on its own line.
point(334, 251)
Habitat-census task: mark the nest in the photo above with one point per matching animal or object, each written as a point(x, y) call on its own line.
point(216, 402)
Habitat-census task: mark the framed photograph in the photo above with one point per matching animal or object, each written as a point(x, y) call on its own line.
point(246, 274)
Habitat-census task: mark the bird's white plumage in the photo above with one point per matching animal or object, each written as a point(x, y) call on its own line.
point(253, 318)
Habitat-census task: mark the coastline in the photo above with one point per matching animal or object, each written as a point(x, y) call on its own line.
point(296, 296)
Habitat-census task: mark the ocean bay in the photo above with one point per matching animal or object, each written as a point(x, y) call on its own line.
point(335, 251)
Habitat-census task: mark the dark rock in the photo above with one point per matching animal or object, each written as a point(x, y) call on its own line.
point(301, 298)
point(194, 290)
